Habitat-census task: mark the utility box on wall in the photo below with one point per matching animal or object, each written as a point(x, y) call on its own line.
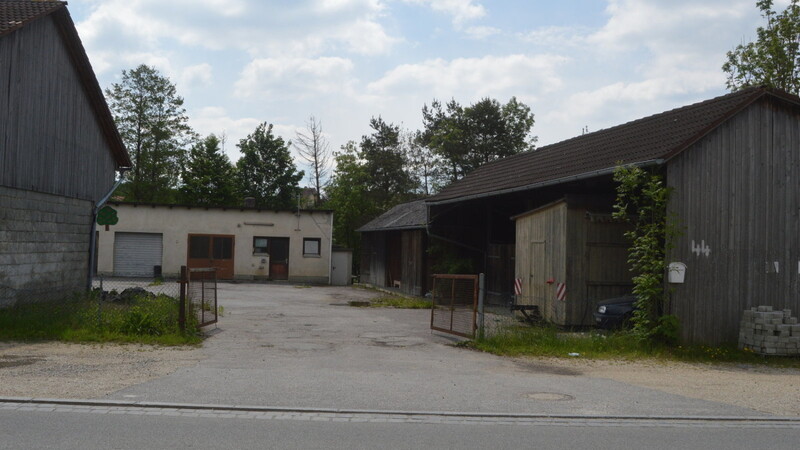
point(568, 258)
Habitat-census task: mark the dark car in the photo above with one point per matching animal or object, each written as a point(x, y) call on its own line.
point(614, 312)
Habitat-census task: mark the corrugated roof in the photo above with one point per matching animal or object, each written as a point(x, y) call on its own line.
point(652, 138)
point(15, 14)
point(405, 216)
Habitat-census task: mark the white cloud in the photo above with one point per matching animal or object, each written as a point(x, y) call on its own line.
point(198, 75)
point(261, 28)
point(473, 77)
point(294, 77)
point(481, 32)
point(461, 10)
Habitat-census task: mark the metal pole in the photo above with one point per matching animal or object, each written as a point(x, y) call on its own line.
point(481, 296)
point(182, 301)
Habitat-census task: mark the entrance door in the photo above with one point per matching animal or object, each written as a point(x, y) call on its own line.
point(209, 250)
point(136, 254)
point(279, 258)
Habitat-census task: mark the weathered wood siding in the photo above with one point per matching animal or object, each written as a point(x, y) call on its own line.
point(373, 258)
point(541, 255)
point(560, 243)
point(413, 259)
point(737, 197)
point(50, 139)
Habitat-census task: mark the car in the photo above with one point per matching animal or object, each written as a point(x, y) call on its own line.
point(614, 312)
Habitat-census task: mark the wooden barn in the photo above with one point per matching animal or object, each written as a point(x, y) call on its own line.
point(571, 244)
point(734, 165)
point(59, 150)
point(394, 249)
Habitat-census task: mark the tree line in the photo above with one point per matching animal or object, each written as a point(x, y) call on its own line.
point(173, 164)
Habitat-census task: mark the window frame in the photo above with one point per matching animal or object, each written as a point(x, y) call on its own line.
point(257, 250)
point(319, 247)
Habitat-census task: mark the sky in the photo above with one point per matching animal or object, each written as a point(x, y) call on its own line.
point(576, 63)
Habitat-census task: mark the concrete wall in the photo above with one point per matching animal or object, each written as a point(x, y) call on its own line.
point(177, 222)
point(44, 245)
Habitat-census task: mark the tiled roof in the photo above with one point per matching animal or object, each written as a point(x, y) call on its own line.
point(652, 138)
point(405, 216)
point(16, 13)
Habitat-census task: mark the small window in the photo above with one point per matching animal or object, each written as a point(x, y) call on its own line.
point(311, 246)
point(199, 247)
point(260, 245)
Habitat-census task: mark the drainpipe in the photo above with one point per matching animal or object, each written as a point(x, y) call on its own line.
point(95, 210)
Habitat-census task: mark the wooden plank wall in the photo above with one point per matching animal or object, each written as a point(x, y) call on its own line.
point(541, 255)
point(737, 197)
point(413, 262)
point(50, 140)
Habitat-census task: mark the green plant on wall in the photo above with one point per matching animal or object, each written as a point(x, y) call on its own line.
point(446, 259)
point(642, 198)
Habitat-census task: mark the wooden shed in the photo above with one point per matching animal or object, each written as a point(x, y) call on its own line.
point(394, 249)
point(568, 258)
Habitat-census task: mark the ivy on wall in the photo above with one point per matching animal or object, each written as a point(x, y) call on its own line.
point(642, 198)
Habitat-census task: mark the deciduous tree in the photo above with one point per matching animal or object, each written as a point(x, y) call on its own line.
point(313, 148)
point(773, 59)
point(152, 121)
point(266, 171)
point(209, 176)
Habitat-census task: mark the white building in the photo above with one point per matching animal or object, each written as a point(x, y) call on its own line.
point(242, 243)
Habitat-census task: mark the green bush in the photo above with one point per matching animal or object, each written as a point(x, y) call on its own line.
point(147, 319)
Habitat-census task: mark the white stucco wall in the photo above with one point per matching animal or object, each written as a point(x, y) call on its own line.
point(177, 222)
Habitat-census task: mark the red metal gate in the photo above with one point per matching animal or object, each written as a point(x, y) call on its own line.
point(455, 304)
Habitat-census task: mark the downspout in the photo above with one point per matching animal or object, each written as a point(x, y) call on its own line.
point(95, 210)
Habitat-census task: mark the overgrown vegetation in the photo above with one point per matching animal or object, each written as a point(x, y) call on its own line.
point(548, 340)
point(147, 320)
point(394, 301)
point(642, 200)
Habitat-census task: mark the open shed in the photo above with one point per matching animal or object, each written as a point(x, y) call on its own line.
point(394, 249)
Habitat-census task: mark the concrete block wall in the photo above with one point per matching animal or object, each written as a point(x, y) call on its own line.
point(769, 332)
point(44, 245)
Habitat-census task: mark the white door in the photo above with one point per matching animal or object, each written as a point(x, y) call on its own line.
point(341, 262)
point(135, 254)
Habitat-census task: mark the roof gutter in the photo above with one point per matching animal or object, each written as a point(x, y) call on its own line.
point(527, 187)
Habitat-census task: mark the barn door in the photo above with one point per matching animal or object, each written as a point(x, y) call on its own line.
point(209, 250)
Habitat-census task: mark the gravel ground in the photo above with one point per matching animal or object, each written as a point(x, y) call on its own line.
point(770, 390)
point(59, 370)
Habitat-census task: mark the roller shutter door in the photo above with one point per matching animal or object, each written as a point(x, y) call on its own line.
point(135, 254)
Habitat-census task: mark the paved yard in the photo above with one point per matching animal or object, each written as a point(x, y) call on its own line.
point(287, 346)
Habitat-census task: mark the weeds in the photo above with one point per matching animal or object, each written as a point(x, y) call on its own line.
point(150, 320)
point(394, 302)
point(547, 340)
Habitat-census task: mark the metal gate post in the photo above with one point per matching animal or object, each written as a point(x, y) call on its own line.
point(481, 296)
point(182, 300)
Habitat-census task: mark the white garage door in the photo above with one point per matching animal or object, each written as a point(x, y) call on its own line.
point(135, 254)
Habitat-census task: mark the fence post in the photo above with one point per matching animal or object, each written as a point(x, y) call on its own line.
point(481, 297)
point(182, 301)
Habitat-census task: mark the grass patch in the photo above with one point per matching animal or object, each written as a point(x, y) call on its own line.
point(394, 301)
point(146, 320)
point(546, 340)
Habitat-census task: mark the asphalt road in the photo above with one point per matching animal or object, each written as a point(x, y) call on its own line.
point(46, 427)
point(285, 346)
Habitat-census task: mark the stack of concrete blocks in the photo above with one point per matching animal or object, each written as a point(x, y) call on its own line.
point(769, 332)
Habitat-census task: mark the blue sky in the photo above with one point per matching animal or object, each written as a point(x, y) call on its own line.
point(577, 64)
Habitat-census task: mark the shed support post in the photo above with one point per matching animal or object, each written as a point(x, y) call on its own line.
point(481, 297)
